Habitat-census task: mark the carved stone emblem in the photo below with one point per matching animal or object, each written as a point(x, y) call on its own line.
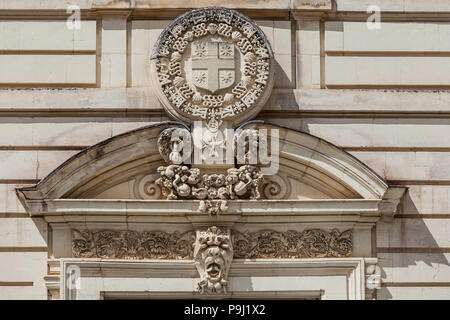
point(212, 63)
point(213, 254)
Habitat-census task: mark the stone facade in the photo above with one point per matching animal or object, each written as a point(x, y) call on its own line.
point(363, 186)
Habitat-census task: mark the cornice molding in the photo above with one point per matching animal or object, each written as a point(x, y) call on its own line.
point(184, 215)
point(272, 9)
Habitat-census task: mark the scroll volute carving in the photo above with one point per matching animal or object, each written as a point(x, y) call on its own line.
point(277, 187)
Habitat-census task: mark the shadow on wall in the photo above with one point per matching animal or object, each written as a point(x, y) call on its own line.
point(409, 252)
point(282, 80)
point(352, 132)
point(42, 227)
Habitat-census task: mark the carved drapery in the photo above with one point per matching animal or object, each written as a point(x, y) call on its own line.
point(230, 75)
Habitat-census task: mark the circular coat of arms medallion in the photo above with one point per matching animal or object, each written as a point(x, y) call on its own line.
point(212, 63)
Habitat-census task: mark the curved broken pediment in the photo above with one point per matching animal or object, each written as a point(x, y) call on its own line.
point(125, 167)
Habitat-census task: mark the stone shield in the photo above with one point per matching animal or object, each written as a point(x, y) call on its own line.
point(213, 65)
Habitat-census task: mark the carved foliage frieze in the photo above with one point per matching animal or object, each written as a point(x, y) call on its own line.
point(312, 243)
point(115, 244)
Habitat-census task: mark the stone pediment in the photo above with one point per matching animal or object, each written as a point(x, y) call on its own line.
point(212, 70)
point(103, 203)
point(124, 167)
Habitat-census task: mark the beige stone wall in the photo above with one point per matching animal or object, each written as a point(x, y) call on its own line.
point(47, 53)
point(382, 95)
point(382, 58)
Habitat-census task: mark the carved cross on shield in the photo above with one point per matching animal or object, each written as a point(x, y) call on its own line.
point(213, 65)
